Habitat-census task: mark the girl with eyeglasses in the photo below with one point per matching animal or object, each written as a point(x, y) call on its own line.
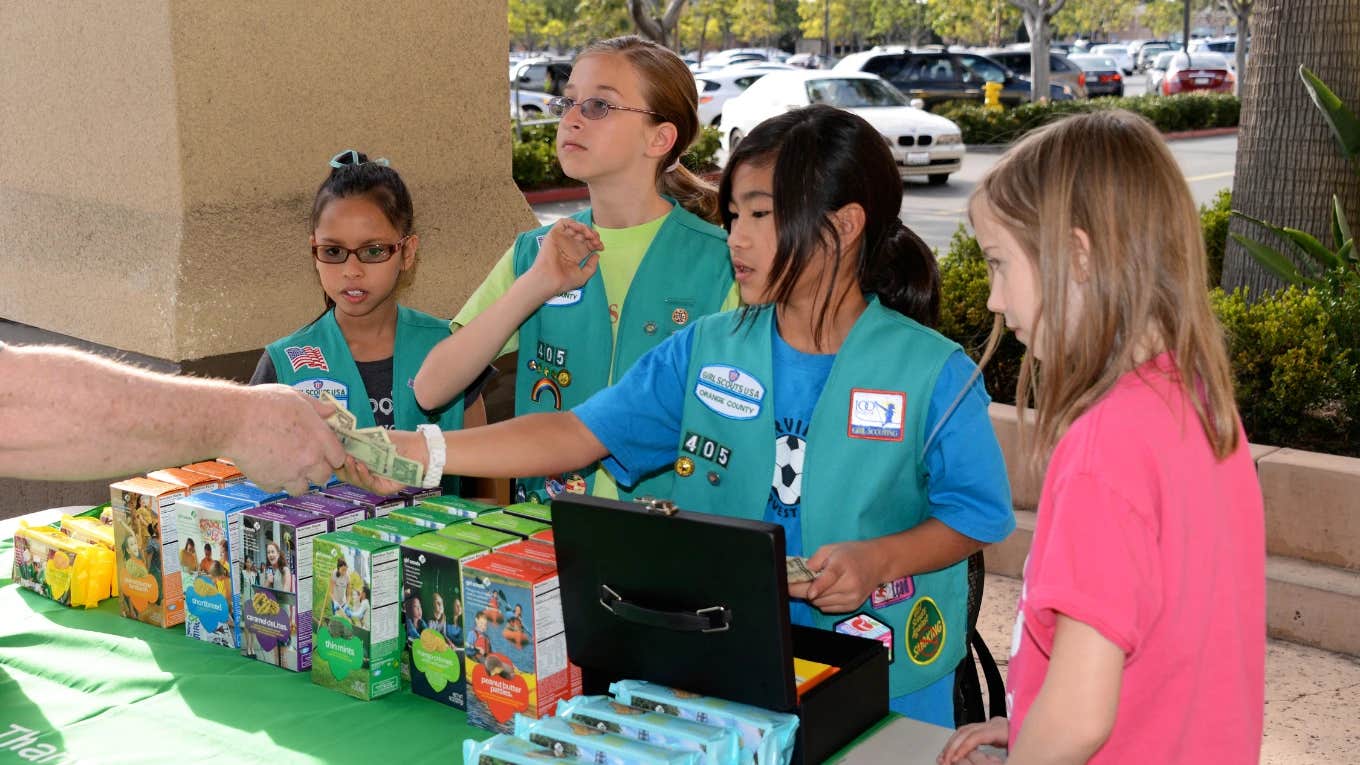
point(657, 262)
point(828, 405)
point(365, 348)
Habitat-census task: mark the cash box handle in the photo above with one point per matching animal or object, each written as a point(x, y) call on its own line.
point(711, 619)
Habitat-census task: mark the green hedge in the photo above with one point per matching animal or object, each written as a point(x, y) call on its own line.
point(1191, 111)
point(1295, 355)
point(534, 165)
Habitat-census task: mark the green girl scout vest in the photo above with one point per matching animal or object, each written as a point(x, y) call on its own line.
point(567, 349)
point(863, 474)
point(316, 359)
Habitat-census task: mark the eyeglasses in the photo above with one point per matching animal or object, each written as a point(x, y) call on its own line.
point(369, 253)
point(592, 108)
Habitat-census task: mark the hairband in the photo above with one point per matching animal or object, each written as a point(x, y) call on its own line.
point(351, 157)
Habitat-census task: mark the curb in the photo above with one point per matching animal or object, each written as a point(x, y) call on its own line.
point(575, 193)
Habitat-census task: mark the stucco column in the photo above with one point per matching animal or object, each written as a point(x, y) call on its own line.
point(158, 158)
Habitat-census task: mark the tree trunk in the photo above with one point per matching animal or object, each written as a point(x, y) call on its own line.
point(1243, 30)
point(1288, 164)
point(655, 27)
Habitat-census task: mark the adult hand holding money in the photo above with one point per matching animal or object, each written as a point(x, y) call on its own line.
point(374, 449)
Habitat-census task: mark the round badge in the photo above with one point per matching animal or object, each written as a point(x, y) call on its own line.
point(564, 378)
point(714, 478)
point(685, 467)
point(680, 316)
point(649, 328)
point(925, 632)
point(533, 365)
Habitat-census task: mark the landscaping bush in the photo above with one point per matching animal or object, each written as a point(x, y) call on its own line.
point(534, 157)
point(1192, 111)
point(964, 317)
point(1213, 219)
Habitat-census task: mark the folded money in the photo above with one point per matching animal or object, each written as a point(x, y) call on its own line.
point(372, 446)
point(798, 570)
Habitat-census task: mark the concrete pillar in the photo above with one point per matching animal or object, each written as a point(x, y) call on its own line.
point(158, 158)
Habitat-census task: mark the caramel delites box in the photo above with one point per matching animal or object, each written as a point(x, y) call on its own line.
point(514, 641)
point(210, 565)
point(342, 514)
point(276, 585)
point(227, 474)
point(146, 550)
point(357, 644)
point(432, 615)
point(375, 505)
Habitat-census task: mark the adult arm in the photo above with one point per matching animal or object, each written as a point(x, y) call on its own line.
point(565, 261)
point(71, 416)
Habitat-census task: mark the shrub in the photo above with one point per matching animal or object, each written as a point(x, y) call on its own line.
point(1213, 219)
point(1192, 111)
point(1294, 376)
point(964, 317)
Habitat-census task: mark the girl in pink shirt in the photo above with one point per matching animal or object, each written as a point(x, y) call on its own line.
point(1140, 635)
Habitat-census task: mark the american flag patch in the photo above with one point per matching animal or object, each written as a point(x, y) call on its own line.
point(306, 356)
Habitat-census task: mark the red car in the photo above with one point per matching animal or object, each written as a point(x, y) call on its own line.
point(1190, 72)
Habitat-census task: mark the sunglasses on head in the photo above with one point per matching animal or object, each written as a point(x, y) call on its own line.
point(591, 108)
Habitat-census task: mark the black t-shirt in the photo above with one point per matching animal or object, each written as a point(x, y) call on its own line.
point(377, 378)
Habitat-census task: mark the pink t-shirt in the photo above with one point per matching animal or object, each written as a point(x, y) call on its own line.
point(1144, 536)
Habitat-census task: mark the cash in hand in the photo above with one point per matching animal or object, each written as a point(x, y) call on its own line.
point(372, 446)
point(798, 570)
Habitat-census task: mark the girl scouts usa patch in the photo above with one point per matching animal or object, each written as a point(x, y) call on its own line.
point(729, 391)
point(876, 414)
point(925, 632)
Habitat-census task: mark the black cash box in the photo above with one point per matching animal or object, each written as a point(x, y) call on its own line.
point(700, 602)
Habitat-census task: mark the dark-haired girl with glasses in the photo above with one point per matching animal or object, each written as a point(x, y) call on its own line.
point(657, 263)
point(828, 406)
point(365, 349)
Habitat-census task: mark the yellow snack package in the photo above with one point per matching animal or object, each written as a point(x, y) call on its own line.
point(67, 570)
point(95, 532)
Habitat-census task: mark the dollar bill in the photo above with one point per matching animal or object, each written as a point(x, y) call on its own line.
point(798, 570)
point(372, 446)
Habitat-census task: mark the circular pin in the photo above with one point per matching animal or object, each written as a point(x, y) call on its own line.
point(649, 328)
point(680, 316)
point(564, 378)
point(714, 478)
point(533, 365)
point(685, 467)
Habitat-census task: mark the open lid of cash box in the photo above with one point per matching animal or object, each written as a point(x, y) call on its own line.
point(691, 600)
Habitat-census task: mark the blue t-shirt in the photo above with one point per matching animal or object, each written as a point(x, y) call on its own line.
point(638, 421)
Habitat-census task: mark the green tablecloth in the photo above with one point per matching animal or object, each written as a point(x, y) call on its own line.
point(101, 688)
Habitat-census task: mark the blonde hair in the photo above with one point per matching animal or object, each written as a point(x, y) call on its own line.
point(668, 88)
point(1110, 175)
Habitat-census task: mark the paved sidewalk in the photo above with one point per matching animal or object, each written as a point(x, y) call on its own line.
point(1311, 695)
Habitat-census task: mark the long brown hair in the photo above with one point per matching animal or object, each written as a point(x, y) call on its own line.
point(668, 88)
point(1110, 175)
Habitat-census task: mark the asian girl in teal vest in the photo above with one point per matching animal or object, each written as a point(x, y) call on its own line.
point(657, 261)
point(365, 348)
point(829, 406)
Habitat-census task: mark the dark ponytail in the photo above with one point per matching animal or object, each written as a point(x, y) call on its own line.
point(353, 175)
point(824, 159)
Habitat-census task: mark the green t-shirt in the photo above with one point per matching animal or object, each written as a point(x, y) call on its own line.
point(623, 251)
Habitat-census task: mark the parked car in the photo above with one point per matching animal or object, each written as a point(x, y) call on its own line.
point(1149, 52)
point(1060, 70)
point(716, 87)
point(923, 144)
point(811, 61)
point(1188, 72)
point(1118, 51)
point(936, 76)
point(542, 75)
point(1100, 74)
point(532, 104)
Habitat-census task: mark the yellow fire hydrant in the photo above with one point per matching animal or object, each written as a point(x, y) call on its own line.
point(991, 96)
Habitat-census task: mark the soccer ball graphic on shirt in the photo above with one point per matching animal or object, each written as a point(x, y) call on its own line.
point(789, 451)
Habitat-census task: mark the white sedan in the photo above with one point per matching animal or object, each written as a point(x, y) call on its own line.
point(921, 142)
point(1117, 51)
point(718, 85)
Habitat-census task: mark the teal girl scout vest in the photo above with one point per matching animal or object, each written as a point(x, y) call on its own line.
point(568, 352)
point(316, 359)
point(863, 474)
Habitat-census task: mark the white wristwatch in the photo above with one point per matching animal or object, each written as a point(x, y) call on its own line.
point(434, 443)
